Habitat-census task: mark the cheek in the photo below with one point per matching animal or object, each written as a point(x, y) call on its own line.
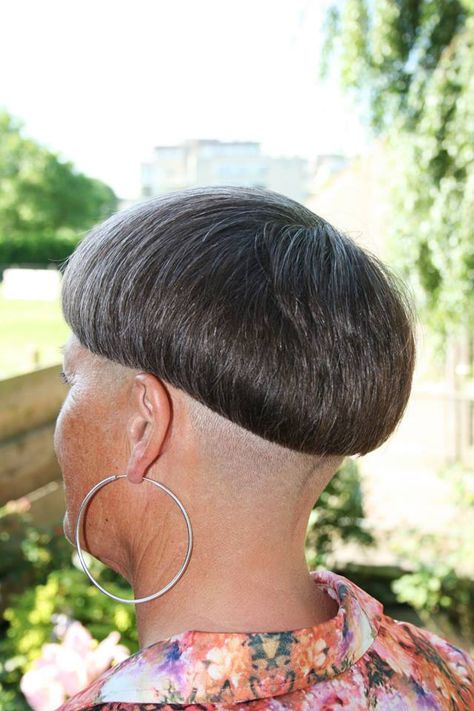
point(73, 438)
point(86, 443)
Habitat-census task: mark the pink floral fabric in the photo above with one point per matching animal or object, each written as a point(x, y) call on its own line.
point(360, 659)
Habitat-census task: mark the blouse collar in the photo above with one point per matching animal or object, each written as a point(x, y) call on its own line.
point(196, 667)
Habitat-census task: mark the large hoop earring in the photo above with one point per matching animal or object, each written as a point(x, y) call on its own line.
point(84, 503)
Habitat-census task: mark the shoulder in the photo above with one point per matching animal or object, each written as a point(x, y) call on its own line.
point(405, 668)
point(406, 661)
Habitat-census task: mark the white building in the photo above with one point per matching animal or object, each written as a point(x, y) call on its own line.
point(211, 162)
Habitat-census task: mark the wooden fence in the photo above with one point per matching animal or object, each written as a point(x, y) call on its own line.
point(29, 405)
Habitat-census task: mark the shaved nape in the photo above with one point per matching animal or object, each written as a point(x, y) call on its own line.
point(244, 461)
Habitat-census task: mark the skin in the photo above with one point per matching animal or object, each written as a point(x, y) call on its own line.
point(117, 420)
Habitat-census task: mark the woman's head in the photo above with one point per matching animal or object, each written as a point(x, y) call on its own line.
point(272, 343)
point(255, 307)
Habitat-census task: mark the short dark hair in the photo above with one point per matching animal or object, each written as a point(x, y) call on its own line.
point(254, 306)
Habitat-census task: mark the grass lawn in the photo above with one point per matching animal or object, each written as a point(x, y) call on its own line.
point(31, 333)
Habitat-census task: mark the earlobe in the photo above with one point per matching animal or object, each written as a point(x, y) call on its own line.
point(137, 464)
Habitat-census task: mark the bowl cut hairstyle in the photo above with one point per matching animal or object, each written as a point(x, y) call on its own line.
point(254, 306)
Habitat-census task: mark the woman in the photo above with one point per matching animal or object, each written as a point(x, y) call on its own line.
point(229, 349)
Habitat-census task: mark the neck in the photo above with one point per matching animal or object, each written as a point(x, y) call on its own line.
point(236, 587)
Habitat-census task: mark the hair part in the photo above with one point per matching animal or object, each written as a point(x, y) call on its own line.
point(255, 307)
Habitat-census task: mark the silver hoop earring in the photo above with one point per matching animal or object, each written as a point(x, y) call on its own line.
point(84, 503)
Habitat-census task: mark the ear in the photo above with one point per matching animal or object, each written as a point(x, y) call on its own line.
point(148, 424)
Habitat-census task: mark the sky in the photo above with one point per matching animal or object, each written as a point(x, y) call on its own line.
point(101, 82)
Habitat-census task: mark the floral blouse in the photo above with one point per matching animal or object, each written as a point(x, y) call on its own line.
point(359, 659)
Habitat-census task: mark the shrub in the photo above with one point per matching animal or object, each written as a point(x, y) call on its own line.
point(40, 252)
point(67, 592)
point(337, 516)
point(441, 588)
point(29, 552)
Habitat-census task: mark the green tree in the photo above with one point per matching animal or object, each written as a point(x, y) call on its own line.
point(411, 64)
point(45, 204)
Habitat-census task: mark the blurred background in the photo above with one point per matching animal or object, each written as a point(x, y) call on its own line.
point(361, 110)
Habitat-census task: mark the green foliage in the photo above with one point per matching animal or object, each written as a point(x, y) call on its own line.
point(55, 584)
point(68, 592)
point(443, 598)
point(45, 204)
point(412, 64)
point(337, 516)
point(441, 587)
point(29, 552)
point(434, 196)
point(31, 250)
point(12, 699)
point(435, 587)
point(389, 49)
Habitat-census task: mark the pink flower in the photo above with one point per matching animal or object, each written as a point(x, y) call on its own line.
point(77, 638)
point(65, 669)
point(42, 689)
point(105, 653)
point(18, 505)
